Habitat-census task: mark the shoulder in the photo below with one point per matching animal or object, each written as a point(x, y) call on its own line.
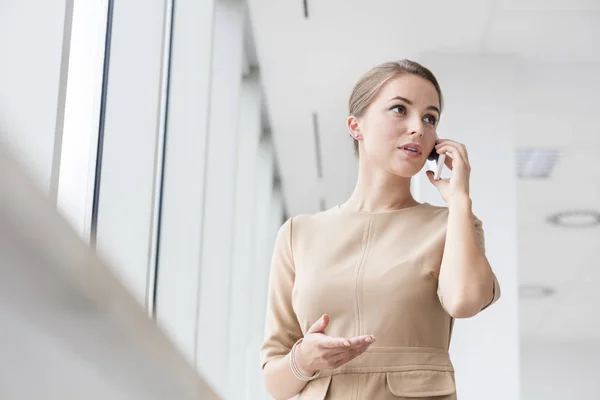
point(443, 212)
point(435, 218)
point(308, 219)
point(430, 209)
point(301, 225)
point(430, 215)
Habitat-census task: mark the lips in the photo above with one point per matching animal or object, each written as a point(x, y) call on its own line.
point(412, 148)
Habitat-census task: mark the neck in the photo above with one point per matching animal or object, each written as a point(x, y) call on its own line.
point(378, 190)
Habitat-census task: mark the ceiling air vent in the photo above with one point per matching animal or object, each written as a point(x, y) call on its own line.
point(576, 219)
point(536, 162)
point(317, 138)
point(322, 204)
point(535, 291)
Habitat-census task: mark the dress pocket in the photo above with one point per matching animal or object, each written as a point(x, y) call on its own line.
point(316, 389)
point(425, 383)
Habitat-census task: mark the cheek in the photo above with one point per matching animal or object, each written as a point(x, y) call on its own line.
point(380, 134)
point(391, 129)
point(431, 138)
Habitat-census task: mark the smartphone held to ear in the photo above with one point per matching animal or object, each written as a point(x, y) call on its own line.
point(436, 162)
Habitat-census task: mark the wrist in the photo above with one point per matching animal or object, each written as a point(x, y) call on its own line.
point(460, 200)
point(301, 363)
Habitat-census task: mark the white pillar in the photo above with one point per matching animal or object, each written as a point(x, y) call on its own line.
point(262, 261)
point(179, 256)
point(264, 195)
point(35, 46)
point(82, 114)
point(478, 112)
point(213, 313)
point(243, 266)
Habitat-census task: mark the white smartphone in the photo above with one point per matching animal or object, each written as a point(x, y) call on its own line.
point(436, 162)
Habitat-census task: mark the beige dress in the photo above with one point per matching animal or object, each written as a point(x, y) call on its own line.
point(372, 273)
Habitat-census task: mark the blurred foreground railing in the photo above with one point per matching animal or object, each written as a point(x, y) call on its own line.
point(69, 329)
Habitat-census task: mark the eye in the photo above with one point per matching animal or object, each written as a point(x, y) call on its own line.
point(400, 109)
point(430, 119)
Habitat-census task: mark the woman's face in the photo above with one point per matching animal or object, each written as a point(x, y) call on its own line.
point(398, 130)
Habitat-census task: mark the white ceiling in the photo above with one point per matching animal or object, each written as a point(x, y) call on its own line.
point(308, 65)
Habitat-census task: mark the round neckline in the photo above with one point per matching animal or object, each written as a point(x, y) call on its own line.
point(398, 210)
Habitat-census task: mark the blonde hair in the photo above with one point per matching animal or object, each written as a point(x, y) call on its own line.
point(369, 85)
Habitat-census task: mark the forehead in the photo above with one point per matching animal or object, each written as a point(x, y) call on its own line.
point(412, 87)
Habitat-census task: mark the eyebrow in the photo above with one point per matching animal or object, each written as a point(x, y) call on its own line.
point(410, 103)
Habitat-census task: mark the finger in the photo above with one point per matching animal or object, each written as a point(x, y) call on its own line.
point(448, 163)
point(330, 342)
point(350, 355)
point(335, 343)
point(437, 182)
point(453, 152)
point(361, 348)
point(339, 360)
point(431, 176)
point(358, 340)
point(320, 325)
point(329, 354)
point(459, 146)
point(335, 354)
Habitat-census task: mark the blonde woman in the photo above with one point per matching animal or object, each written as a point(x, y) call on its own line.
point(363, 296)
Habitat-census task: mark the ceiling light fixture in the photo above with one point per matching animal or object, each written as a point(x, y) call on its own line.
point(535, 291)
point(536, 162)
point(576, 219)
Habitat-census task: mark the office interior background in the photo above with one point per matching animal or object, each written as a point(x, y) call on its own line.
point(176, 136)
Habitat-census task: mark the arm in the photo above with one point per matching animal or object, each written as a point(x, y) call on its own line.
point(279, 379)
point(282, 329)
point(317, 351)
point(467, 283)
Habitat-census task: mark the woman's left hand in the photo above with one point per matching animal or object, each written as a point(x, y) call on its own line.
point(457, 160)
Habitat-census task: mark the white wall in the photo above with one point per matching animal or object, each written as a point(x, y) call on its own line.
point(180, 252)
point(126, 206)
point(552, 370)
point(31, 44)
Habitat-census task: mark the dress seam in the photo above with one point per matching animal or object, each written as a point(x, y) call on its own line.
point(357, 286)
point(362, 273)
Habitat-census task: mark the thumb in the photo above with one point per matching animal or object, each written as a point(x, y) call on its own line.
point(320, 325)
point(430, 175)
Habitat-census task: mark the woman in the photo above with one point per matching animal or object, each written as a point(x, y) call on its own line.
point(363, 296)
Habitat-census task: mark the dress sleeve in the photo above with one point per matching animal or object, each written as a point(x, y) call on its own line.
point(282, 329)
point(495, 295)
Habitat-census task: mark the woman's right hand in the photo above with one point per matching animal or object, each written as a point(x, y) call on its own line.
point(318, 351)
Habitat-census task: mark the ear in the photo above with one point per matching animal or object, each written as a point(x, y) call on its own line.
point(353, 127)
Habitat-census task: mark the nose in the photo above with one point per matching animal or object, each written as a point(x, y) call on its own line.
point(416, 126)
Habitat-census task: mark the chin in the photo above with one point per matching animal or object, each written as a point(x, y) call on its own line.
point(404, 170)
